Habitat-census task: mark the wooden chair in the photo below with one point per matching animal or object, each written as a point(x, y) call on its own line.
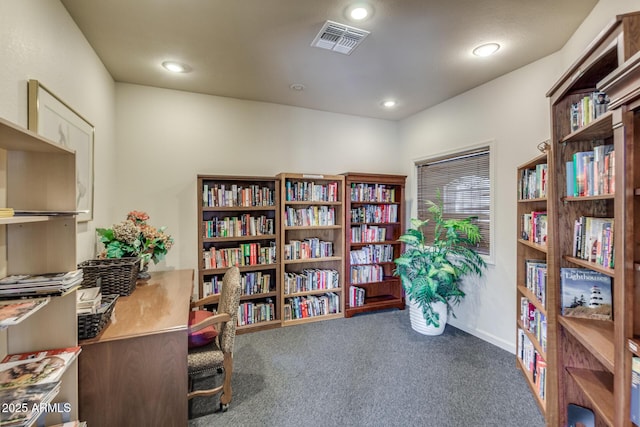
point(217, 356)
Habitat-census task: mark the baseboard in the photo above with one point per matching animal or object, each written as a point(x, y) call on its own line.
point(485, 336)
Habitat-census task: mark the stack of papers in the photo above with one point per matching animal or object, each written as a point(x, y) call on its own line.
point(6, 212)
point(34, 285)
point(28, 380)
point(88, 300)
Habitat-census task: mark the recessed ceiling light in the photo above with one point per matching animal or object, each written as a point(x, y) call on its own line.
point(359, 11)
point(486, 49)
point(389, 103)
point(176, 67)
point(297, 87)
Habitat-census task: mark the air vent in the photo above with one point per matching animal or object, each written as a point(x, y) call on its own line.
point(339, 37)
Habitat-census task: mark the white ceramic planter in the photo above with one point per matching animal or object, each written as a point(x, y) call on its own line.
point(418, 322)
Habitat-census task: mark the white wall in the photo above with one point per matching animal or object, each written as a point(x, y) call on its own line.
point(511, 111)
point(39, 40)
point(167, 137)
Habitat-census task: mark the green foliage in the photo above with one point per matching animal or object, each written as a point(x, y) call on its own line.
point(433, 271)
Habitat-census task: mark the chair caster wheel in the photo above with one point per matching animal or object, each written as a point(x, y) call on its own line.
point(224, 407)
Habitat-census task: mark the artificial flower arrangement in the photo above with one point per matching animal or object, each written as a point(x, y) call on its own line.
point(133, 237)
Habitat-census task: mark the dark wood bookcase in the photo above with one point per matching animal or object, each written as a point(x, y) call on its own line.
point(535, 303)
point(593, 357)
point(312, 280)
point(233, 212)
point(375, 214)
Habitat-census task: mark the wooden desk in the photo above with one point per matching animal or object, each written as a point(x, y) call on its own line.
point(135, 372)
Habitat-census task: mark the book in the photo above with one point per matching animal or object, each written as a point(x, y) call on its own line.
point(585, 293)
point(635, 390)
point(579, 416)
point(39, 367)
point(21, 406)
point(14, 311)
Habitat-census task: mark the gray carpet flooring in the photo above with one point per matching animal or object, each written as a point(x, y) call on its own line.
point(370, 370)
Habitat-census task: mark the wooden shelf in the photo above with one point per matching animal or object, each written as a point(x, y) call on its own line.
point(595, 335)
point(600, 128)
point(532, 386)
point(533, 200)
point(532, 299)
point(269, 189)
point(534, 340)
point(312, 319)
point(311, 260)
point(387, 293)
point(590, 265)
point(313, 292)
point(536, 246)
point(597, 387)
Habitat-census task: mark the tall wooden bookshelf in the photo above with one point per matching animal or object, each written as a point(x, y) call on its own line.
point(41, 175)
point(535, 304)
point(239, 224)
point(374, 208)
point(311, 249)
point(593, 365)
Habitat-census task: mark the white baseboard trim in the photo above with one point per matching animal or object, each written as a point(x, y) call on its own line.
point(485, 336)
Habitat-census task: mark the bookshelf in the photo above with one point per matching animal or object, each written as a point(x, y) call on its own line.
point(593, 357)
point(32, 161)
point(374, 209)
point(534, 302)
point(312, 245)
point(239, 224)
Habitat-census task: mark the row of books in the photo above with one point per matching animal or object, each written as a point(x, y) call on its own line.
point(591, 173)
point(30, 381)
point(356, 296)
point(245, 225)
point(311, 247)
point(311, 306)
point(361, 192)
point(534, 321)
point(309, 191)
point(250, 313)
point(587, 109)
point(39, 285)
point(366, 274)
point(223, 195)
point(244, 255)
point(368, 234)
point(311, 216)
point(585, 293)
point(533, 183)
point(251, 283)
point(593, 240)
point(536, 279)
point(535, 227)
point(377, 214)
point(533, 362)
point(372, 254)
point(310, 279)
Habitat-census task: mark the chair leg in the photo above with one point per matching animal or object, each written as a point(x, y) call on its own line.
point(226, 396)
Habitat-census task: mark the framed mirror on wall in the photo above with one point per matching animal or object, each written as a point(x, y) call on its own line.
point(51, 117)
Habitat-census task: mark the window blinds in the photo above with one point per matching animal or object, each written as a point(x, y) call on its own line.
point(463, 181)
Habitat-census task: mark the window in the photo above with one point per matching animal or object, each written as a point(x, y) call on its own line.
point(464, 182)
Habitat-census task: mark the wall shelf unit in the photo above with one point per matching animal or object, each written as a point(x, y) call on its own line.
point(41, 175)
point(312, 245)
point(239, 224)
point(533, 298)
point(375, 215)
point(593, 358)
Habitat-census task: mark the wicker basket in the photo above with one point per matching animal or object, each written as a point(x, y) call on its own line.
point(90, 325)
point(112, 275)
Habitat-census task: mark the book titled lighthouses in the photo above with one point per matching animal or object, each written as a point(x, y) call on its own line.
point(585, 293)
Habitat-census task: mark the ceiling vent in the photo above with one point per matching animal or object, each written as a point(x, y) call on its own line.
point(339, 37)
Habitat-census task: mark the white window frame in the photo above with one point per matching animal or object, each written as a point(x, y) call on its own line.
point(490, 144)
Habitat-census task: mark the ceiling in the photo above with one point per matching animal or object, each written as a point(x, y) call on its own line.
point(418, 52)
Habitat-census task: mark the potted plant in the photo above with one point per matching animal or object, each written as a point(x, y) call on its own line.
point(431, 271)
point(133, 237)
